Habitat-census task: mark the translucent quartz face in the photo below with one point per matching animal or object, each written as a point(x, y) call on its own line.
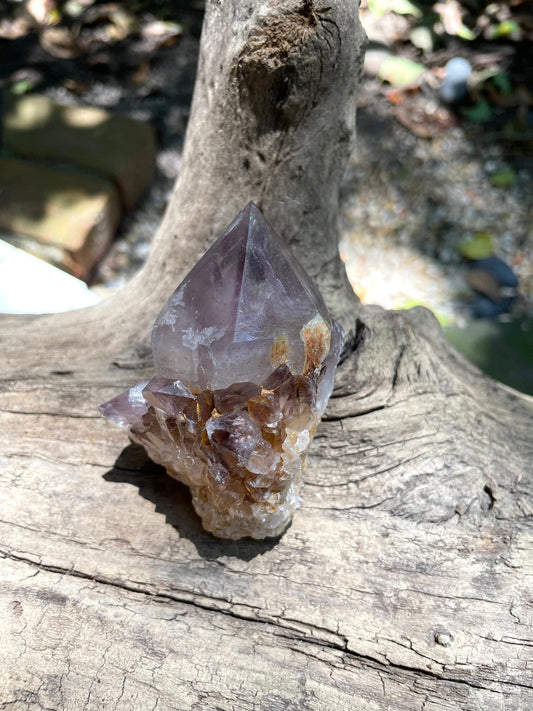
point(246, 297)
point(245, 353)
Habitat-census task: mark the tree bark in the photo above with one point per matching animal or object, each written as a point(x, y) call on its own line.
point(405, 579)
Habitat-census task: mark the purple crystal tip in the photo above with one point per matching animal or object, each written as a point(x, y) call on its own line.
point(246, 297)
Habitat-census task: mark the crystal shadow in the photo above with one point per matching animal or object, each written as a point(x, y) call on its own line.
point(172, 499)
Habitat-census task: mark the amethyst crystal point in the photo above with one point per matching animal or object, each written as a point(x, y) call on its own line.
point(245, 353)
point(245, 299)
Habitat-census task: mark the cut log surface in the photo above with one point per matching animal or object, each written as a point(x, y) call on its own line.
point(405, 579)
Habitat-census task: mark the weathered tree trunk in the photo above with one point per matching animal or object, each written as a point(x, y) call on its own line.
point(405, 579)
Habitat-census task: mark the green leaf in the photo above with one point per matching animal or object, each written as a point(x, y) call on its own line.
point(480, 112)
point(507, 28)
point(401, 7)
point(443, 319)
point(502, 82)
point(400, 72)
point(503, 178)
point(465, 33)
point(404, 7)
point(479, 247)
point(23, 86)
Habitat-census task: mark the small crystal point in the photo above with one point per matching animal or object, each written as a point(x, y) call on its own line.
point(128, 408)
point(245, 352)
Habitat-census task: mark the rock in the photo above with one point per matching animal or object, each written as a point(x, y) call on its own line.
point(484, 283)
point(483, 307)
point(72, 210)
point(495, 284)
point(498, 270)
point(92, 138)
point(455, 85)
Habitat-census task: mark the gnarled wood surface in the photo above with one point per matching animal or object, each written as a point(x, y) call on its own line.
point(405, 579)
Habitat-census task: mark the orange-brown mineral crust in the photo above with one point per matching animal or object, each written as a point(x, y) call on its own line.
point(279, 353)
point(316, 336)
point(241, 450)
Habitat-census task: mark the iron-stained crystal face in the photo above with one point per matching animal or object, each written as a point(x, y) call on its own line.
point(245, 353)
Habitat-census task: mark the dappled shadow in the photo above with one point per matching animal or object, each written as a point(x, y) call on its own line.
point(147, 81)
point(173, 500)
point(430, 195)
point(66, 178)
point(444, 183)
point(410, 205)
point(419, 200)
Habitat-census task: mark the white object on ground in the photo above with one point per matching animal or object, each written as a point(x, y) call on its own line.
point(29, 285)
point(455, 84)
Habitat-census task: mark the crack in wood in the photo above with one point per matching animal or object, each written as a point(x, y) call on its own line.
point(276, 623)
point(65, 415)
point(339, 418)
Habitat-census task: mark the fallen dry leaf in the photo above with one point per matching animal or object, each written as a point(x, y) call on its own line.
point(425, 121)
point(59, 42)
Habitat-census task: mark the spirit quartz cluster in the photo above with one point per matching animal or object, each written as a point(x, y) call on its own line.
point(245, 353)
